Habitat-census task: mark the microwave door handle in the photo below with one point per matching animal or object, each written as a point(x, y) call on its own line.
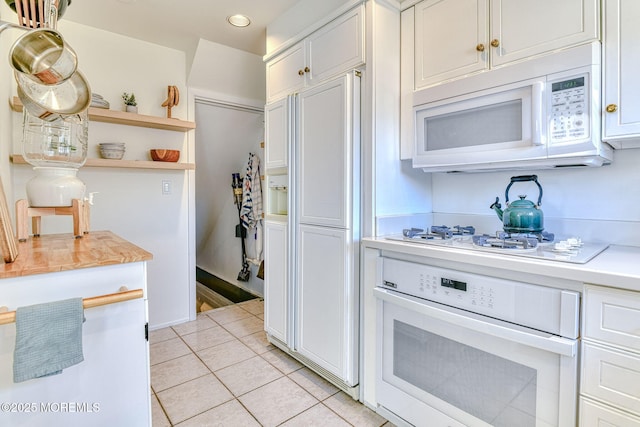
point(537, 106)
point(482, 324)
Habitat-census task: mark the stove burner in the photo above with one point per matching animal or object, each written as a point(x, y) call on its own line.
point(438, 232)
point(506, 240)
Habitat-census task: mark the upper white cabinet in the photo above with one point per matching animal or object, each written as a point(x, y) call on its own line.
point(454, 38)
point(446, 35)
point(621, 67)
point(277, 119)
point(333, 49)
point(286, 72)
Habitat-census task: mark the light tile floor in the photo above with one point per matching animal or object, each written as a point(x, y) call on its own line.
point(220, 370)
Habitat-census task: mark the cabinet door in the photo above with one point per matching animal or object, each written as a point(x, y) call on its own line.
point(447, 36)
point(337, 47)
point(326, 315)
point(621, 69)
point(527, 28)
point(593, 414)
point(326, 131)
point(277, 119)
point(285, 72)
point(276, 295)
point(612, 316)
point(611, 376)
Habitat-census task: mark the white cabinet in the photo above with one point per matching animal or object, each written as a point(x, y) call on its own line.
point(325, 153)
point(311, 276)
point(285, 73)
point(333, 49)
point(454, 38)
point(111, 385)
point(326, 302)
point(337, 47)
point(327, 229)
point(276, 293)
point(446, 35)
point(277, 120)
point(621, 67)
point(594, 414)
point(610, 371)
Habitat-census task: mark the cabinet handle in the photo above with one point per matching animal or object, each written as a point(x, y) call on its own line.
point(307, 70)
point(301, 72)
point(480, 47)
point(495, 42)
point(612, 108)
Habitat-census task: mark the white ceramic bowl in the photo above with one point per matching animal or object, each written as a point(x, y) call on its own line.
point(112, 153)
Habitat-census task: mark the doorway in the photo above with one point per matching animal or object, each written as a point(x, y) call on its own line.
point(225, 136)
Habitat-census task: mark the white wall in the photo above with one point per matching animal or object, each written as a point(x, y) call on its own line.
point(130, 202)
point(594, 203)
point(228, 72)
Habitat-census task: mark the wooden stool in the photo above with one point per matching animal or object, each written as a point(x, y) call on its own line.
point(79, 209)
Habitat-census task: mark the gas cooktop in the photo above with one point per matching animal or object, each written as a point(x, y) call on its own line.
point(542, 245)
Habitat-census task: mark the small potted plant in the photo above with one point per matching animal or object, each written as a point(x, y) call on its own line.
point(130, 102)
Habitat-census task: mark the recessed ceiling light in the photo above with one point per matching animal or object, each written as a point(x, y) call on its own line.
point(239, 20)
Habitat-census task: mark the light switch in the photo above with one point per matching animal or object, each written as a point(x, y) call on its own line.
point(166, 187)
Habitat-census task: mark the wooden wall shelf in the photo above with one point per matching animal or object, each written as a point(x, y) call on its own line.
point(132, 164)
point(130, 119)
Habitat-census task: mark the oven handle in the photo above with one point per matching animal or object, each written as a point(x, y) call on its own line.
point(486, 325)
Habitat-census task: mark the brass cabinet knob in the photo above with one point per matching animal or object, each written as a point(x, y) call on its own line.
point(306, 69)
point(612, 108)
point(495, 42)
point(301, 72)
point(480, 47)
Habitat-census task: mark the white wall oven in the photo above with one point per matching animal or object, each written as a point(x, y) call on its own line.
point(460, 349)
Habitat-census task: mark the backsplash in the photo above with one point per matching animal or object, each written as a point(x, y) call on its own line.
point(599, 204)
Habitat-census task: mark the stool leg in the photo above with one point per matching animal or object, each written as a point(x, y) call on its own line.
point(35, 225)
point(22, 229)
point(78, 220)
point(86, 212)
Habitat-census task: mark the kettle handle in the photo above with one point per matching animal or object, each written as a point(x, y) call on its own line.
point(523, 178)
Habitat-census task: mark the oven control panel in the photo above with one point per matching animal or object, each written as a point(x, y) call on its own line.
point(526, 304)
point(453, 289)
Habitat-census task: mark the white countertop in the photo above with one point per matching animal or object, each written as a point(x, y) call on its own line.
point(617, 266)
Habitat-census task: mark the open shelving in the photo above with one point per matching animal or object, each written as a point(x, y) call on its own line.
point(128, 119)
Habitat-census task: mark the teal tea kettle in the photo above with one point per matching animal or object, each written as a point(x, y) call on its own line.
point(521, 216)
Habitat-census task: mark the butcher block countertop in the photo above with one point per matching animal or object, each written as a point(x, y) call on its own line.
point(61, 252)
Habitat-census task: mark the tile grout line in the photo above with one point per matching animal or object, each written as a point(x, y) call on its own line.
point(234, 397)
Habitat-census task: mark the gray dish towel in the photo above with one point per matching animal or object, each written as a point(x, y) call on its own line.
point(48, 338)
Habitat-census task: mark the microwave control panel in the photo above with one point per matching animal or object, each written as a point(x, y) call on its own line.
point(569, 110)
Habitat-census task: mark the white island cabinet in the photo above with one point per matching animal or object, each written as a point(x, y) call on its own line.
point(111, 386)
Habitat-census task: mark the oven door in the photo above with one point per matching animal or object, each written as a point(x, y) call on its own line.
point(441, 366)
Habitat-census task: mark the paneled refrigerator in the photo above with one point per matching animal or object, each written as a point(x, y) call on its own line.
point(312, 259)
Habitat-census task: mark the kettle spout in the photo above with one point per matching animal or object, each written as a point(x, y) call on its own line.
point(496, 206)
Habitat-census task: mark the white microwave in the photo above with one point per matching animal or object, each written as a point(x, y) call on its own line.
point(539, 113)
